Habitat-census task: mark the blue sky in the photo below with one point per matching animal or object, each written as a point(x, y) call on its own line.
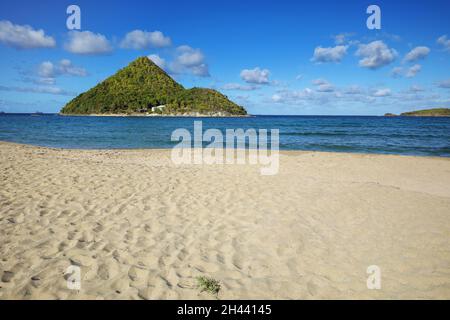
point(273, 57)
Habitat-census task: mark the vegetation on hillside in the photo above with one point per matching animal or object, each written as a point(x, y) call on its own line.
point(204, 101)
point(439, 112)
point(143, 85)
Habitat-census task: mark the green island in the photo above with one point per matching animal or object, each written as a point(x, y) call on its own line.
point(143, 88)
point(437, 112)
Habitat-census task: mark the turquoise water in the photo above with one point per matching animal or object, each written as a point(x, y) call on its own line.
point(396, 135)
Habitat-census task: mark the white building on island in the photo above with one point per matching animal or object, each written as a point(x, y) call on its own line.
point(160, 108)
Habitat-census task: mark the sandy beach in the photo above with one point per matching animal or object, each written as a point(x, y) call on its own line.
point(142, 228)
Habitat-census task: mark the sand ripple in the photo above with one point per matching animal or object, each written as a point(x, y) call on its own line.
point(141, 228)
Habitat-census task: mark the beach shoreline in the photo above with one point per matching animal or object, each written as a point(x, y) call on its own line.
point(140, 227)
point(281, 151)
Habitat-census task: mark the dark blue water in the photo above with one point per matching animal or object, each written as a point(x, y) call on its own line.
point(396, 135)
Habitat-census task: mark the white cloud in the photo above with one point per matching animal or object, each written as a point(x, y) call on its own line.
point(279, 83)
point(87, 43)
point(24, 36)
point(416, 54)
point(375, 55)
point(256, 75)
point(200, 70)
point(293, 96)
point(190, 57)
point(355, 96)
point(319, 81)
point(353, 90)
point(48, 70)
point(444, 41)
point(44, 81)
point(325, 88)
point(339, 38)
point(323, 85)
point(237, 86)
point(382, 92)
point(413, 71)
point(391, 36)
point(138, 39)
point(47, 90)
point(415, 89)
point(445, 84)
point(397, 72)
point(277, 98)
point(190, 60)
point(160, 62)
point(342, 38)
point(346, 96)
point(331, 54)
point(65, 66)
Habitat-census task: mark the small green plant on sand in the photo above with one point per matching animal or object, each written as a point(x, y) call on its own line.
point(209, 285)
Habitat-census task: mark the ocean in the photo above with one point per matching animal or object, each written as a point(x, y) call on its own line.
point(423, 136)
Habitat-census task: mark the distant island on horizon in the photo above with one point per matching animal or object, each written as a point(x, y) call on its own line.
point(437, 112)
point(143, 88)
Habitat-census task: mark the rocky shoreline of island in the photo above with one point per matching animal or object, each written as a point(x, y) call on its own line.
point(187, 115)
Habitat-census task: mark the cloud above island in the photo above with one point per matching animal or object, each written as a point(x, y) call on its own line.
point(384, 92)
point(189, 61)
point(24, 36)
point(256, 75)
point(330, 54)
point(41, 89)
point(413, 71)
point(375, 55)
point(444, 84)
point(323, 85)
point(49, 69)
point(139, 39)
point(397, 72)
point(418, 53)
point(444, 42)
point(87, 43)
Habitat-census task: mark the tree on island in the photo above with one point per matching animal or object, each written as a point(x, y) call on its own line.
point(141, 86)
